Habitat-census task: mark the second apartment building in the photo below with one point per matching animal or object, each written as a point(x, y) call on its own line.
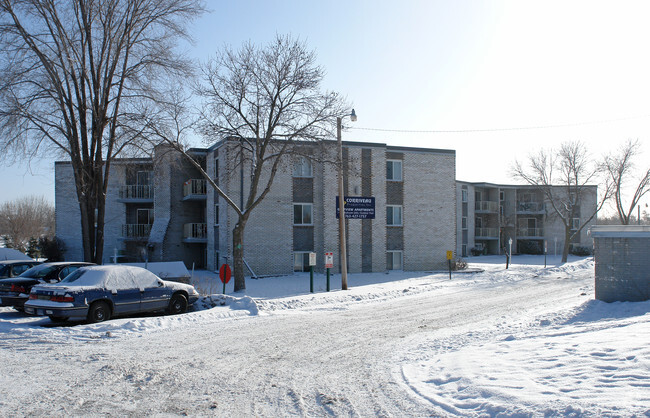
point(489, 215)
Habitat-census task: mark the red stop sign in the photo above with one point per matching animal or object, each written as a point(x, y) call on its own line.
point(225, 273)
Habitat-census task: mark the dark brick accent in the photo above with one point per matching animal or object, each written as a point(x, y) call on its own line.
point(303, 238)
point(394, 238)
point(366, 224)
point(394, 193)
point(303, 189)
point(394, 155)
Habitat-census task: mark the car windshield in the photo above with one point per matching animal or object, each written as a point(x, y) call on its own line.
point(39, 271)
point(4, 270)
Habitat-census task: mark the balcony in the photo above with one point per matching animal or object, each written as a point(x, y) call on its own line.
point(486, 206)
point(530, 207)
point(530, 233)
point(195, 232)
point(136, 193)
point(486, 233)
point(136, 231)
point(194, 189)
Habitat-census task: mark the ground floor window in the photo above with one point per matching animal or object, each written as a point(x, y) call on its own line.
point(301, 261)
point(464, 250)
point(394, 260)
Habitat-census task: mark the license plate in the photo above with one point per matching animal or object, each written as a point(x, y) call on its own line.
point(43, 297)
point(40, 312)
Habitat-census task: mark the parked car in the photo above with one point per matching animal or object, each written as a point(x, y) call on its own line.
point(98, 293)
point(14, 291)
point(13, 268)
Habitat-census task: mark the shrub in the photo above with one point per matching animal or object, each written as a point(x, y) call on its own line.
point(458, 264)
point(580, 250)
point(529, 247)
point(476, 251)
point(51, 248)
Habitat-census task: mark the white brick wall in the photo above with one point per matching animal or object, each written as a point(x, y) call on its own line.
point(429, 209)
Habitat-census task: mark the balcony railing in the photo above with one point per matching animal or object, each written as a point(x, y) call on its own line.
point(136, 231)
point(486, 206)
point(194, 187)
point(486, 232)
point(530, 232)
point(136, 191)
point(530, 207)
point(195, 231)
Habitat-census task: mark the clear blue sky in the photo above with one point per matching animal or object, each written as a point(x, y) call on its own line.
point(454, 66)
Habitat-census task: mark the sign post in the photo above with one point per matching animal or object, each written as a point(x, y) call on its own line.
point(450, 255)
point(329, 263)
point(509, 253)
point(224, 274)
point(312, 263)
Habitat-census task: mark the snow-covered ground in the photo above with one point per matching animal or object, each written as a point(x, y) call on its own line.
point(530, 340)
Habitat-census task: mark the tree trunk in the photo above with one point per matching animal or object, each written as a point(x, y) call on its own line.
point(238, 255)
point(567, 245)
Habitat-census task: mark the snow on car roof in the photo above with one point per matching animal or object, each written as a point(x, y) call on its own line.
point(112, 277)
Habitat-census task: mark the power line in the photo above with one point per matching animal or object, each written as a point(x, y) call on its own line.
point(521, 128)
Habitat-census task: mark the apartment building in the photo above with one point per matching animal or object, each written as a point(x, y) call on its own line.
point(161, 209)
point(490, 215)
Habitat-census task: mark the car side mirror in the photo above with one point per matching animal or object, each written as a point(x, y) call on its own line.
point(160, 283)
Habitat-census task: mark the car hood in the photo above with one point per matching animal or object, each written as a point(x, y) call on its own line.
point(180, 286)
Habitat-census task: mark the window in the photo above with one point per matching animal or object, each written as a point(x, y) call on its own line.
point(302, 214)
point(144, 216)
point(464, 195)
point(464, 222)
point(143, 178)
point(502, 195)
point(216, 169)
point(394, 170)
point(575, 224)
point(464, 250)
point(394, 215)
point(301, 261)
point(216, 215)
point(394, 260)
point(303, 168)
point(478, 196)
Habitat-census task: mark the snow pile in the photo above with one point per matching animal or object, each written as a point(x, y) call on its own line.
point(547, 349)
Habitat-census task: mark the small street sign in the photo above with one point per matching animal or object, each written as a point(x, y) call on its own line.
point(312, 259)
point(450, 255)
point(329, 260)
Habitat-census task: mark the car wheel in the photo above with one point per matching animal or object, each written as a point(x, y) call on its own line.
point(178, 304)
point(58, 319)
point(99, 312)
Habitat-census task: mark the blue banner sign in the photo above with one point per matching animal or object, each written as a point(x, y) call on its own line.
point(357, 207)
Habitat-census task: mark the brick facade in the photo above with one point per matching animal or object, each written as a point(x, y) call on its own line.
point(622, 265)
point(274, 243)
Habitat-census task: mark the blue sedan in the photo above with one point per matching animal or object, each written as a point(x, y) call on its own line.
point(98, 293)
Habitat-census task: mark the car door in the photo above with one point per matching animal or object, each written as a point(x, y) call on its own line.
point(155, 296)
point(125, 296)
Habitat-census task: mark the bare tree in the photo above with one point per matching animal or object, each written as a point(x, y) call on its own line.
point(563, 177)
point(72, 76)
point(265, 101)
point(620, 168)
point(26, 218)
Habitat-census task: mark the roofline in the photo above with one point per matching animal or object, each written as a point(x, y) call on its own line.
point(513, 186)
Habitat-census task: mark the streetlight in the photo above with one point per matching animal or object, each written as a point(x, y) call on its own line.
point(342, 246)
